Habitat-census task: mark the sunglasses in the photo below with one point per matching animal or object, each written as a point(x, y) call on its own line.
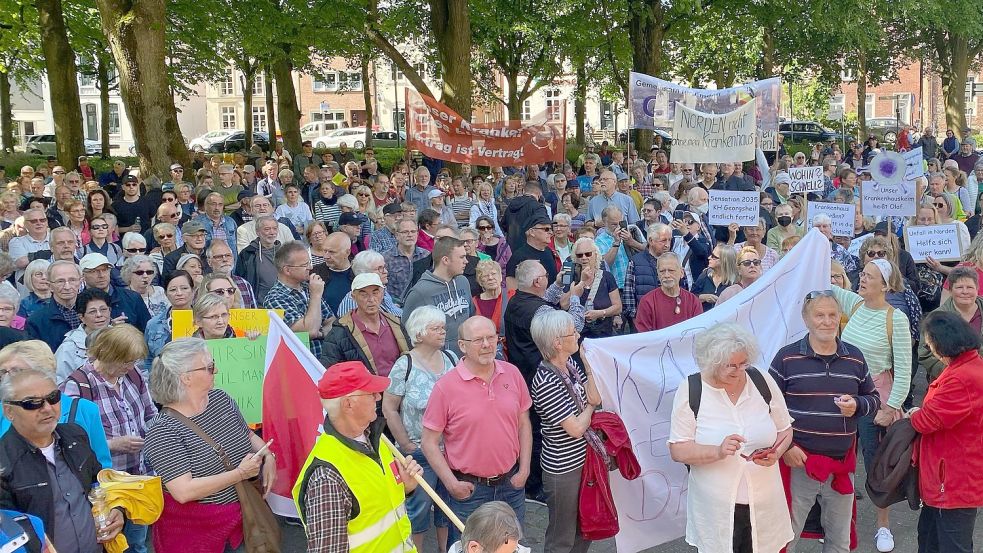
point(816, 294)
point(143, 272)
point(750, 262)
point(35, 403)
point(99, 227)
point(584, 255)
point(133, 250)
point(223, 291)
point(169, 199)
point(878, 253)
point(165, 236)
point(485, 228)
point(714, 256)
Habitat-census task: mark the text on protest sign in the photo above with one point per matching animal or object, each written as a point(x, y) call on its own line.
point(241, 365)
point(914, 164)
point(806, 179)
point(940, 242)
point(887, 199)
point(241, 321)
point(440, 133)
point(733, 206)
point(841, 216)
point(638, 375)
point(708, 138)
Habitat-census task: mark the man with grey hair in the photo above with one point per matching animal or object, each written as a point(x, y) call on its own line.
point(246, 233)
point(255, 263)
point(63, 242)
point(222, 261)
point(641, 276)
point(419, 193)
point(55, 318)
point(608, 195)
point(668, 304)
point(850, 262)
point(370, 261)
point(300, 294)
point(227, 189)
point(612, 242)
point(491, 528)
point(217, 225)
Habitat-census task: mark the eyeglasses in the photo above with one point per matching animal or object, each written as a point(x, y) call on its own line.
point(45, 221)
point(714, 256)
point(939, 206)
point(584, 254)
point(211, 368)
point(877, 253)
point(223, 291)
point(169, 199)
point(482, 340)
point(362, 194)
point(59, 172)
point(165, 236)
point(35, 403)
point(544, 229)
point(73, 181)
point(133, 250)
point(304, 266)
point(750, 262)
point(485, 228)
point(99, 227)
point(97, 311)
point(145, 272)
point(131, 184)
point(216, 317)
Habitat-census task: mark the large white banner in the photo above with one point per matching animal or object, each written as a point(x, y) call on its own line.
point(699, 137)
point(638, 374)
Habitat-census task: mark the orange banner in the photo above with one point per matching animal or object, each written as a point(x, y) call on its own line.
point(440, 133)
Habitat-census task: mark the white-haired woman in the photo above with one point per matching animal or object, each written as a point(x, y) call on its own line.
point(736, 498)
point(133, 244)
point(201, 508)
point(370, 261)
point(484, 206)
point(601, 298)
point(139, 273)
point(166, 236)
point(9, 306)
point(411, 381)
point(565, 397)
point(36, 282)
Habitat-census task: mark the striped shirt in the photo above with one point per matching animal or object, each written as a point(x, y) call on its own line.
point(461, 206)
point(562, 452)
point(173, 449)
point(867, 329)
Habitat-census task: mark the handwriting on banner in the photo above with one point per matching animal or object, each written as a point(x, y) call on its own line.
point(841, 216)
point(708, 138)
point(241, 320)
point(240, 365)
point(940, 242)
point(733, 206)
point(887, 199)
point(806, 179)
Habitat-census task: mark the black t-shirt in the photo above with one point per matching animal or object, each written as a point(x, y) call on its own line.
point(127, 212)
point(546, 257)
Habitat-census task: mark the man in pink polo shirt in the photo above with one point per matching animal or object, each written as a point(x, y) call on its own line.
point(481, 411)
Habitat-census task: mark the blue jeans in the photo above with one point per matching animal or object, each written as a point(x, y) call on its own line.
point(870, 436)
point(419, 503)
point(946, 530)
point(136, 537)
point(516, 498)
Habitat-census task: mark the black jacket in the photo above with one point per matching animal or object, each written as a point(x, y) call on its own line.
point(518, 217)
point(892, 478)
point(24, 481)
point(523, 352)
point(247, 266)
point(171, 259)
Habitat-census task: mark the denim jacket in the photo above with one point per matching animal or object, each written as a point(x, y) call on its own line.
point(158, 335)
point(230, 230)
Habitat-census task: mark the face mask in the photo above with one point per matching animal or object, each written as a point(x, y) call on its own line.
point(703, 209)
point(784, 221)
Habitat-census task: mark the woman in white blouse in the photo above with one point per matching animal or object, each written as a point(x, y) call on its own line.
point(736, 499)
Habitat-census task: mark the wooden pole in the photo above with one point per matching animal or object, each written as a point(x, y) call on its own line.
point(426, 487)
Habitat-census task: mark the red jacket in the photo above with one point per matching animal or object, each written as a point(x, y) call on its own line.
point(597, 512)
point(950, 449)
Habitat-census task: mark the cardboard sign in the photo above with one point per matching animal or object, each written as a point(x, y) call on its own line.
point(699, 137)
point(732, 206)
point(841, 216)
point(241, 364)
point(889, 200)
point(767, 140)
point(806, 179)
point(241, 320)
point(914, 164)
point(940, 242)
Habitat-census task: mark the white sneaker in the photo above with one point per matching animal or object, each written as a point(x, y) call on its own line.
point(884, 540)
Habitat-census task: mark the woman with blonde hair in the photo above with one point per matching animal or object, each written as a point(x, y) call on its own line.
point(748, 271)
point(601, 297)
point(955, 184)
point(720, 274)
point(214, 283)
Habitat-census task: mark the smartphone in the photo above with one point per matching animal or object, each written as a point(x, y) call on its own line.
point(567, 270)
point(623, 224)
point(678, 215)
point(759, 453)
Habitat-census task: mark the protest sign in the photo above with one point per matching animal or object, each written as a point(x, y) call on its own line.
point(440, 133)
point(241, 320)
point(887, 199)
point(767, 140)
point(733, 206)
point(841, 215)
point(940, 242)
point(806, 179)
point(240, 365)
point(914, 164)
point(638, 374)
point(708, 138)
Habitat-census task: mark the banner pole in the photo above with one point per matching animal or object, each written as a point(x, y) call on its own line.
point(426, 487)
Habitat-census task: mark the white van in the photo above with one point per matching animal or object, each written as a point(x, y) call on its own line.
point(313, 130)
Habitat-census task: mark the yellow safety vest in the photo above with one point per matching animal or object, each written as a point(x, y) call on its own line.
point(381, 525)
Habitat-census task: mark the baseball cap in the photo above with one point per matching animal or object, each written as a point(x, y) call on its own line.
point(245, 194)
point(92, 261)
point(192, 227)
point(783, 177)
point(573, 184)
point(391, 209)
point(346, 377)
point(967, 140)
point(176, 166)
point(130, 178)
point(349, 219)
point(365, 280)
point(52, 158)
point(434, 194)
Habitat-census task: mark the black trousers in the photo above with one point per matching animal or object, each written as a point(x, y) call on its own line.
point(742, 529)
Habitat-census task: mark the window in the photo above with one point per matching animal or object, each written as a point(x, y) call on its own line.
point(904, 103)
point(258, 84)
point(225, 85)
point(870, 105)
point(87, 83)
point(837, 105)
point(228, 117)
point(28, 128)
point(350, 80)
point(326, 82)
point(526, 110)
point(848, 75)
point(607, 116)
point(399, 119)
point(421, 69)
point(113, 118)
point(333, 115)
point(553, 104)
point(259, 118)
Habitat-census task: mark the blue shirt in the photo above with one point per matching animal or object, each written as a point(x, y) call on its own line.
point(87, 416)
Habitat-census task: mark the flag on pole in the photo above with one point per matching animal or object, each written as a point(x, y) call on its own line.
point(292, 412)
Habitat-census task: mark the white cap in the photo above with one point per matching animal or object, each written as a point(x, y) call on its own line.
point(93, 261)
point(365, 280)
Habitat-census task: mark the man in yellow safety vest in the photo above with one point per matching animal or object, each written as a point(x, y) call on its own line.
point(351, 492)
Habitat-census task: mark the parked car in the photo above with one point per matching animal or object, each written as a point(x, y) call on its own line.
point(353, 136)
point(387, 139)
point(236, 142)
point(45, 145)
point(665, 134)
point(807, 131)
point(886, 129)
point(313, 130)
point(204, 142)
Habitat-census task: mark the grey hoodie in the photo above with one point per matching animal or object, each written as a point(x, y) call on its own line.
point(453, 298)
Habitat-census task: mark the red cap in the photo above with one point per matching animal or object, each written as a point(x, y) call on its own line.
point(344, 378)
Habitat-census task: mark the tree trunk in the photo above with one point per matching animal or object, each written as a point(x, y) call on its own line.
point(270, 107)
point(59, 64)
point(646, 30)
point(367, 98)
point(862, 95)
point(249, 77)
point(580, 102)
point(450, 24)
point(767, 56)
point(6, 115)
point(513, 103)
point(287, 102)
point(102, 76)
point(136, 39)
point(954, 76)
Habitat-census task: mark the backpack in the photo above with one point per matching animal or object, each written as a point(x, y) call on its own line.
point(696, 389)
point(85, 387)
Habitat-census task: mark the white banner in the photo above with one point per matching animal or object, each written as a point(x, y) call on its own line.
point(888, 199)
point(638, 374)
point(841, 216)
point(940, 242)
point(806, 179)
point(708, 138)
point(734, 206)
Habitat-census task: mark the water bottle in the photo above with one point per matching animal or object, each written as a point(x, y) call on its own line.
point(137, 223)
point(100, 507)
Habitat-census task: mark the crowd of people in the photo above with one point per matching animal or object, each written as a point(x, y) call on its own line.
point(448, 308)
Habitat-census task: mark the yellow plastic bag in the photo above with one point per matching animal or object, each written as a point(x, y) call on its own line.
point(140, 497)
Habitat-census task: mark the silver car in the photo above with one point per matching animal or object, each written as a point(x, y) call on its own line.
point(45, 145)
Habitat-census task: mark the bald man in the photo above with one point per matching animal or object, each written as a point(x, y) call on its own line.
point(336, 269)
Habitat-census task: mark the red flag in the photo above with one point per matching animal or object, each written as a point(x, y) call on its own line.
point(292, 412)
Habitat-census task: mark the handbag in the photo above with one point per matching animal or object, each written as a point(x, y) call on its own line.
point(260, 530)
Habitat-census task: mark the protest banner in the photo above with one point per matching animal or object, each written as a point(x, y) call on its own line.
point(887, 199)
point(841, 216)
point(940, 242)
point(440, 133)
point(240, 365)
point(653, 103)
point(734, 206)
point(806, 179)
point(708, 138)
point(914, 164)
point(638, 374)
point(241, 320)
